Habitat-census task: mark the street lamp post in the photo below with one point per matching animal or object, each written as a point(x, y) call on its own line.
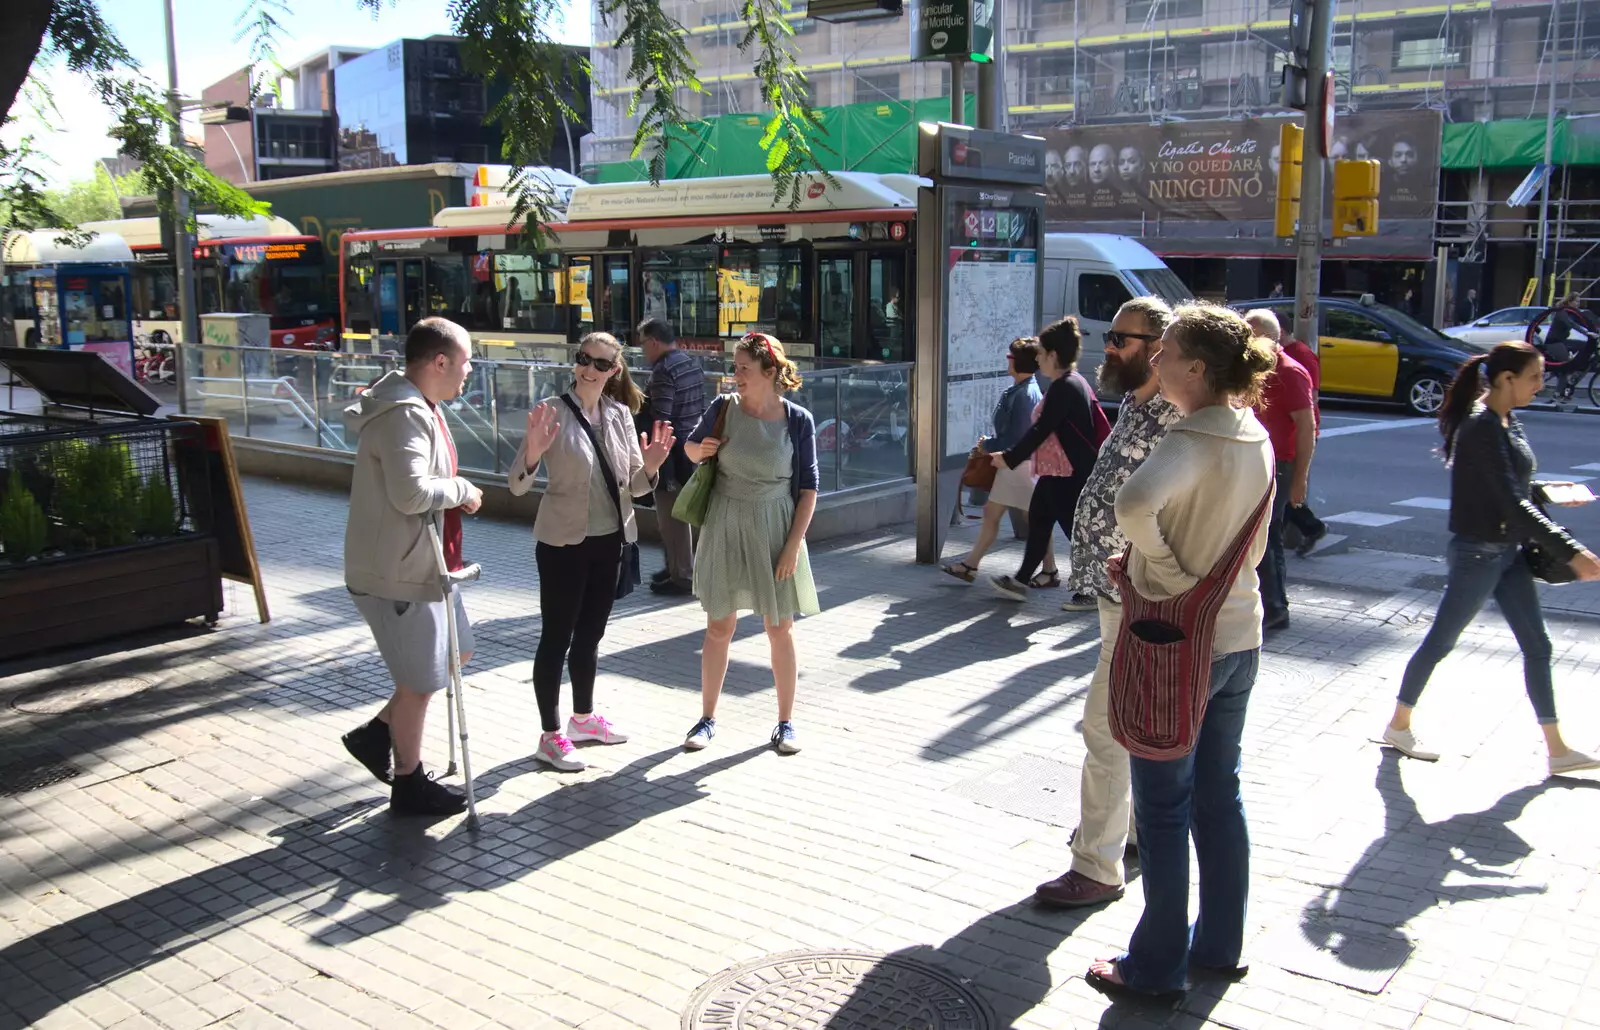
point(182, 242)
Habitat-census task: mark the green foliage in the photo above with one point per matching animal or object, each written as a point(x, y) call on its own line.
point(97, 493)
point(794, 128)
point(87, 200)
point(81, 39)
point(157, 514)
point(258, 23)
point(23, 529)
point(508, 43)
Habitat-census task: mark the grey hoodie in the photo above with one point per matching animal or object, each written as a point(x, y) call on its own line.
point(402, 479)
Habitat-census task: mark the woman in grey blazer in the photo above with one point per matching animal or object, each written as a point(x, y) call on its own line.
point(585, 518)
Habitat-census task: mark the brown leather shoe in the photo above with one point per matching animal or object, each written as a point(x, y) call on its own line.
point(1074, 890)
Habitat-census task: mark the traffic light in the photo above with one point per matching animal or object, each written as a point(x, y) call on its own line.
point(1355, 198)
point(1291, 154)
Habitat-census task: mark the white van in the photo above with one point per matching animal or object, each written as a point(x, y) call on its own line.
point(1091, 275)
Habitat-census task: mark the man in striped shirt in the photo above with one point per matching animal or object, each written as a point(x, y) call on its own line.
point(676, 393)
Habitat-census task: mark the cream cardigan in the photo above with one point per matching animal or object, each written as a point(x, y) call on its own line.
point(1182, 508)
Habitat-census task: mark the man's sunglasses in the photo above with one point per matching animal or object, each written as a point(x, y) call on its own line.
point(600, 364)
point(1121, 340)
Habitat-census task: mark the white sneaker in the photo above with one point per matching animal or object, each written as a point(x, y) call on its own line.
point(557, 752)
point(1408, 743)
point(1009, 587)
point(1572, 761)
point(594, 726)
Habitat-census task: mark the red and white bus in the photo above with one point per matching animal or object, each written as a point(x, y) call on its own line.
point(242, 265)
point(831, 278)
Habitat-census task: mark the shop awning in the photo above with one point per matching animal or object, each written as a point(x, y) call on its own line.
point(50, 247)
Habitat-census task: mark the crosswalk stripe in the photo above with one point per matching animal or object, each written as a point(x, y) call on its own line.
point(1366, 518)
point(1434, 503)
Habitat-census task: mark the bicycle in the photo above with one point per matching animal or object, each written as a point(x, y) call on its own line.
point(1562, 377)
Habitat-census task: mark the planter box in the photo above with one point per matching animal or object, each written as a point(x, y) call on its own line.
point(80, 600)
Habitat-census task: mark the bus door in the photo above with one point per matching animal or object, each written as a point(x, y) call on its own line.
point(401, 298)
point(836, 307)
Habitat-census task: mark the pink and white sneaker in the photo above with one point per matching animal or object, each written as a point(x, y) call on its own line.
point(594, 726)
point(557, 752)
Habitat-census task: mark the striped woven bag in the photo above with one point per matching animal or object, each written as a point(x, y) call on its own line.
point(1161, 668)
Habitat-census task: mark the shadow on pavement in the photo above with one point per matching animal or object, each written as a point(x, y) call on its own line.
point(1405, 872)
point(352, 848)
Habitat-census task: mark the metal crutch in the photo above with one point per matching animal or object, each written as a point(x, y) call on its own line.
point(455, 702)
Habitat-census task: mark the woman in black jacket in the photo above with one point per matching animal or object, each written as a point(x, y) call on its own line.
point(1493, 515)
point(1062, 441)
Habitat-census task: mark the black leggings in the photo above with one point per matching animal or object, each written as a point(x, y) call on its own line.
point(1054, 500)
point(577, 585)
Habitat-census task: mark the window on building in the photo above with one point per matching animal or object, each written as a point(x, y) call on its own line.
point(1341, 61)
point(730, 29)
point(1049, 81)
point(1431, 51)
point(285, 138)
point(871, 86)
point(1140, 11)
point(1147, 62)
point(719, 98)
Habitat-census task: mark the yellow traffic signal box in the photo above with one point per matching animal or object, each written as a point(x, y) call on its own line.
point(1291, 155)
point(1355, 198)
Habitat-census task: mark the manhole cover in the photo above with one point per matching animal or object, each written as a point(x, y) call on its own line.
point(35, 773)
point(79, 695)
point(839, 990)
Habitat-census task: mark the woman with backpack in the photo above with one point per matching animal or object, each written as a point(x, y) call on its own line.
point(1495, 518)
point(1199, 502)
point(1063, 443)
point(752, 553)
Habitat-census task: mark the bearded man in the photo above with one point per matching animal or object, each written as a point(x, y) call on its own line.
point(1105, 821)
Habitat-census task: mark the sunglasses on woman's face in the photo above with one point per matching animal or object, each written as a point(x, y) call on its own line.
point(600, 364)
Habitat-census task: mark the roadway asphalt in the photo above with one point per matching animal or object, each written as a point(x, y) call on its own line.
point(1379, 480)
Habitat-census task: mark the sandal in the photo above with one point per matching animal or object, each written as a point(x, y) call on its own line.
point(1116, 990)
point(960, 570)
point(1050, 580)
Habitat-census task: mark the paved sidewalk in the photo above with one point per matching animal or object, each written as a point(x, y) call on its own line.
point(216, 860)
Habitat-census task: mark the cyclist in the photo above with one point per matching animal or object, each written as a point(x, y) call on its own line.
point(1572, 360)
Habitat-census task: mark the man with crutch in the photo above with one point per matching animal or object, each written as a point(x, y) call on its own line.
point(406, 488)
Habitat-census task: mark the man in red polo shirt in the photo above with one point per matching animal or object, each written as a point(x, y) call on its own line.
point(1288, 412)
point(1312, 529)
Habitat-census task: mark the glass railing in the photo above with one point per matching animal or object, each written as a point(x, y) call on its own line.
point(862, 412)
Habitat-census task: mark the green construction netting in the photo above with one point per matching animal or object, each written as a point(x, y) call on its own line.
point(1519, 143)
point(874, 137)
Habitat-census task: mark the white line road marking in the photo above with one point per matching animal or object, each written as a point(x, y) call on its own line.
point(1435, 503)
point(1375, 427)
point(1366, 518)
point(1579, 479)
point(1593, 466)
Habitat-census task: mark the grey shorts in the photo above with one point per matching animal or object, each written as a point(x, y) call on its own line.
point(414, 638)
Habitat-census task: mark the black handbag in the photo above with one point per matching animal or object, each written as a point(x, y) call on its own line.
point(628, 575)
point(1545, 566)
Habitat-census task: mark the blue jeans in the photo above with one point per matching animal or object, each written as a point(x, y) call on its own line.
point(1480, 570)
point(1199, 795)
point(1273, 570)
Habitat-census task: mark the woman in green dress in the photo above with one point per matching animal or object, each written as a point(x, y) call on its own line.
point(751, 555)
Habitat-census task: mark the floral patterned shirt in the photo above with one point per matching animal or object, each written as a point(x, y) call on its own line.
point(1095, 536)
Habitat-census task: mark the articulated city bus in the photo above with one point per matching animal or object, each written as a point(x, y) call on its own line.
point(242, 265)
point(715, 257)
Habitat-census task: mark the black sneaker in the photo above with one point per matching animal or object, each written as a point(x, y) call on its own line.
point(660, 577)
point(420, 794)
point(1309, 541)
point(372, 746)
point(672, 588)
point(1276, 619)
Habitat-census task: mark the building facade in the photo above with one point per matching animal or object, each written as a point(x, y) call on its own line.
point(411, 102)
point(1079, 65)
